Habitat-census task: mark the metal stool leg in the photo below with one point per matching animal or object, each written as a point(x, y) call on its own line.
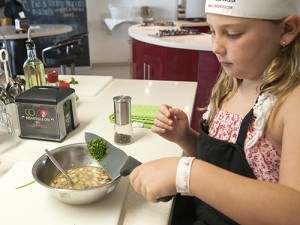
point(63, 69)
point(72, 68)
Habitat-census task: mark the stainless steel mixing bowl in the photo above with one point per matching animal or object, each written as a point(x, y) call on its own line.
point(70, 156)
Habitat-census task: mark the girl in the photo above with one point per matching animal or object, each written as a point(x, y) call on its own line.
point(244, 164)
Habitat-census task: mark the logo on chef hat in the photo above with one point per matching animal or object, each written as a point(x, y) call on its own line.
point(259, 9)
point(220, 4)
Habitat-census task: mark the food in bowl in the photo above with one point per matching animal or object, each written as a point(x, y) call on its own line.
point(75, 156)
point(84, 177)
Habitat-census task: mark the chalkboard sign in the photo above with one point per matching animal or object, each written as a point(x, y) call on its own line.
point(72, 12)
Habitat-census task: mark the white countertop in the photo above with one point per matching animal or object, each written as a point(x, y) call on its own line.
point(192, 42)
point(93, 112)
point(39, 30)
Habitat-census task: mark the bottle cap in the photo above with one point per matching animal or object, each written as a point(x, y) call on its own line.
point(52, 76)
point(30, 44)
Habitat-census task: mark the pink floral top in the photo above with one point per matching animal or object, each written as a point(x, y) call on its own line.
point(262, 157)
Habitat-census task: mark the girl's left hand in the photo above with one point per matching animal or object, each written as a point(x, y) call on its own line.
point(155, 179)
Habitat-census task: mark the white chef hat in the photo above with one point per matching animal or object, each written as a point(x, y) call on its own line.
point(258, 9)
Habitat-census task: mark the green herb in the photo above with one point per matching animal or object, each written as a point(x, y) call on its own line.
point(25, 185)
point(97, 148)
point(73, 81)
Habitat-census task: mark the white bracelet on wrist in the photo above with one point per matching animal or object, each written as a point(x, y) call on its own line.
point(183, 174)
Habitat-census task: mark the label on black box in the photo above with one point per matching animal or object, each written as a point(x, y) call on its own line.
point(38, 121)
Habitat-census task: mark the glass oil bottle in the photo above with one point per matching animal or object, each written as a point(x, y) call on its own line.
point(33, 67)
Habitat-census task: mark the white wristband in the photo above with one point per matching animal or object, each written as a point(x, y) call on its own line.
point(183, 174)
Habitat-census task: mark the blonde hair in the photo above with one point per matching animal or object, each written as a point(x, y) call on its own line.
point(279, 79)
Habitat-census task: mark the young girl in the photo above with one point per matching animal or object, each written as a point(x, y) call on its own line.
point(244, 164)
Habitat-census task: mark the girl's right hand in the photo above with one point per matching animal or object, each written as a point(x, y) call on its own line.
point(171, 123)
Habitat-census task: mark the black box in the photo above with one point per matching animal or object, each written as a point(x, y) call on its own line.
point(47, 113)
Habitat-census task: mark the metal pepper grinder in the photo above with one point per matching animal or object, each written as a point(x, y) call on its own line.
point(123, 131)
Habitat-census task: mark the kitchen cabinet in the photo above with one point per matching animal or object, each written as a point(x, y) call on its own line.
point(208, 71)
point(155, 62)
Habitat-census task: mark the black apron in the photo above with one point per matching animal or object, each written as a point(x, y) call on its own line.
point(223, 154)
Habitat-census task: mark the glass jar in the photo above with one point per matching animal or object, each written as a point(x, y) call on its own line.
point(52, 78)
point(123, 131)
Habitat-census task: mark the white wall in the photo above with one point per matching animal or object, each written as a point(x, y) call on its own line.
point(114, 46)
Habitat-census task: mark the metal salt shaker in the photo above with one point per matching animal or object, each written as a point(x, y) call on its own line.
point(123, 131)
